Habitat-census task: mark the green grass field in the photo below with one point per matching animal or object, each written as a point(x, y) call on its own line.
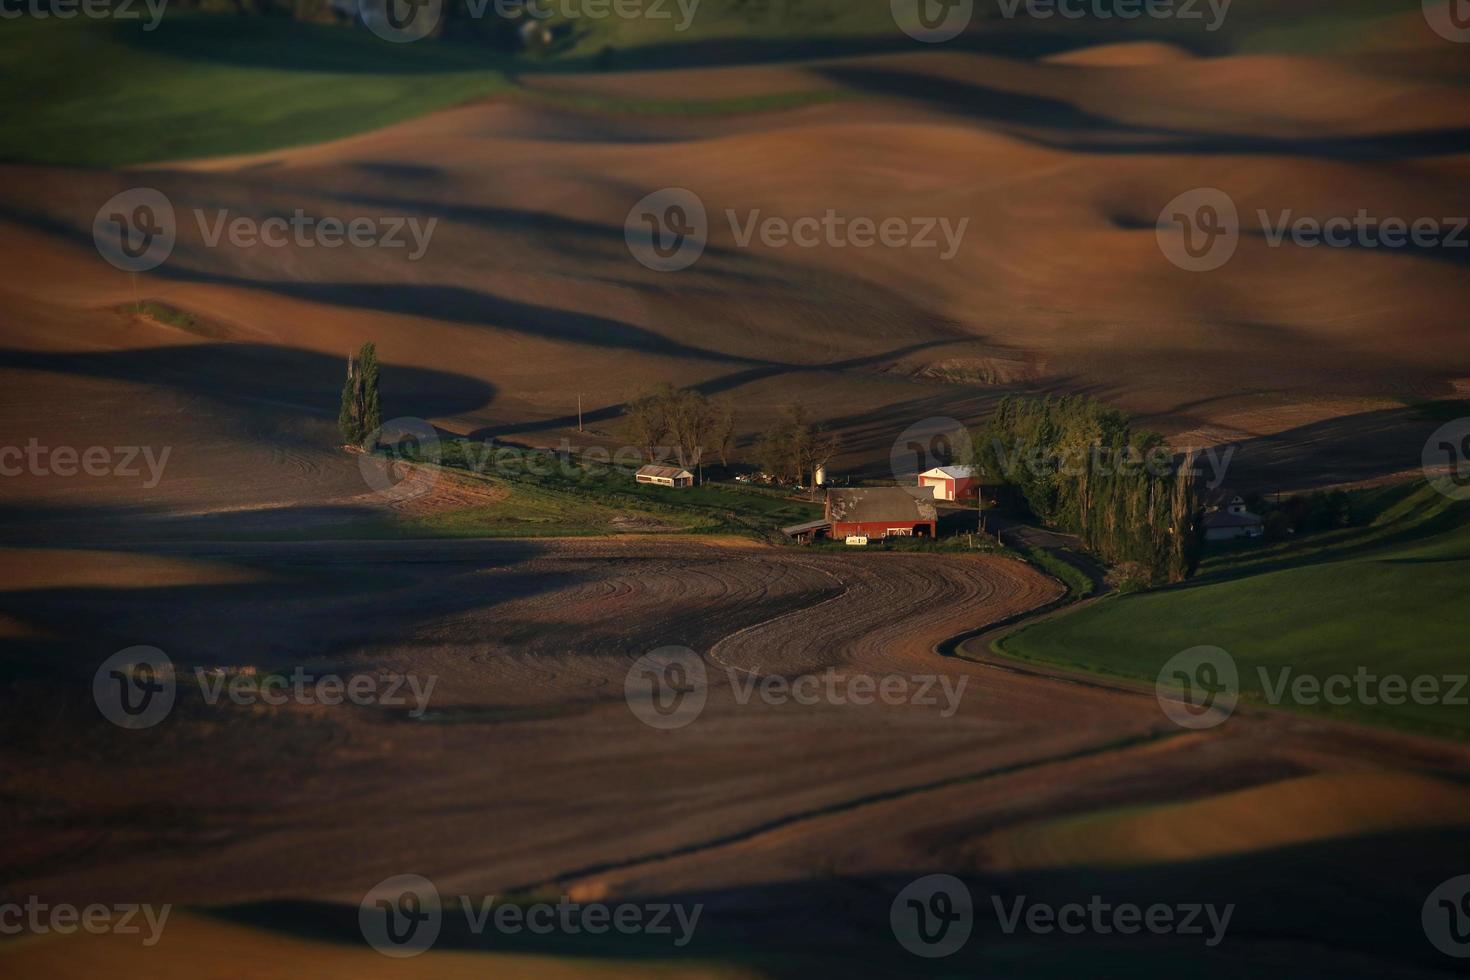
point(546, 498)
point(1390, 597)
point(100, 93)
point(108, 94)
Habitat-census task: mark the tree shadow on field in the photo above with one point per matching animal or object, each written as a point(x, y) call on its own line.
point(1345, 449)
point(311, 600)
point(274, 380)
point(1343, 908)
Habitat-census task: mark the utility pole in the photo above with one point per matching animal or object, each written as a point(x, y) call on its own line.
point(579, 411)
point(980, 501)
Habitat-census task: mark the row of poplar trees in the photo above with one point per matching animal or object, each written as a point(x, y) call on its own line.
point(1081, 468)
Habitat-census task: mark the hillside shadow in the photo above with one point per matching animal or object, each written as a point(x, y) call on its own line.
point(312, 601)
point(454, 304)
point(1332, 909)
point(1027, 117)
point(280, 43)
point(266, 42)
point(1339, 450)
point(733, 381)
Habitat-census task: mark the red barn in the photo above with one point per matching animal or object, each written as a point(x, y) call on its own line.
point(882, 512)
point(951, 482)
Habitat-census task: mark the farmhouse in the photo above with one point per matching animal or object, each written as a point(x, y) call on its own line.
point(951, 482)
point(665, 476)
point(882, 512)
point(1232, 521)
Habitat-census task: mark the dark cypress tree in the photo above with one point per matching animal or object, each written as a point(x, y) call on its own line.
point(360, 416)
point(348, 423)
point(372, 415)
